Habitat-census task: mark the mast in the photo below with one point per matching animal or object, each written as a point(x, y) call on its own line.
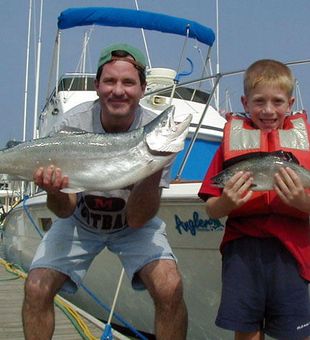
point(217, 98)
point(27, 71)
point(23, 184)
point(35, 113)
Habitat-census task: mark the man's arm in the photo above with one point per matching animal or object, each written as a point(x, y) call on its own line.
point(62, 205)
point(143, 202)
point(51, 180)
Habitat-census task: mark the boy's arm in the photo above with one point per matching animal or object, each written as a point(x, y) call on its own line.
point(220, 203)
point(216, 209)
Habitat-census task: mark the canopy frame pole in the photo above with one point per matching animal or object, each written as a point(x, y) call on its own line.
point(188, 151)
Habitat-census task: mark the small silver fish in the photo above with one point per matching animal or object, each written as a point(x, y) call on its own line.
point(263, 167)
point(99, 162)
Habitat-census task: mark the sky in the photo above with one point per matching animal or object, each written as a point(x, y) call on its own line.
point(248, 30)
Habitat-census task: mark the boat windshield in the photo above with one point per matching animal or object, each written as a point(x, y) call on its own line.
point(77, 83)
point(187, 93)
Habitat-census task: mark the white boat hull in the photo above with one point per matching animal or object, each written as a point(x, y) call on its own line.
point(195, 241)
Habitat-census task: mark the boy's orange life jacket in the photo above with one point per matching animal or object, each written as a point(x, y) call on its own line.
point(240, 138)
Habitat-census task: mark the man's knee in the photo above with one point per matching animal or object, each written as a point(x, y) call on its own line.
point(173, 290)
point(42, 285)
point(169, 291)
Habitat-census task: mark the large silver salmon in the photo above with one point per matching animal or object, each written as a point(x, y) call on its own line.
point(98, 162)
point(263, 167)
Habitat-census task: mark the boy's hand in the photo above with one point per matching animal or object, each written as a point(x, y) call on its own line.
point(235, 193)
point(237, 190)
point(289, 188)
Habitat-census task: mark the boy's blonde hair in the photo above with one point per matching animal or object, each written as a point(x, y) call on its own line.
point(268, 72)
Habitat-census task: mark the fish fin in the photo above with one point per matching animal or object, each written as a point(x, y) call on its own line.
point(72, 190)
point(237, 159)
point(286, 155)
point(12, 143)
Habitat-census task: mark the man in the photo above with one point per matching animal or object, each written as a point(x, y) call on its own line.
point(84, 227)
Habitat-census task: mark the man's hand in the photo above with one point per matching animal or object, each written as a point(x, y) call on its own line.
point(52, 181)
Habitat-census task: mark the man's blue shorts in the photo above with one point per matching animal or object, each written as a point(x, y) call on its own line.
point(69, 247)
point(262, 290)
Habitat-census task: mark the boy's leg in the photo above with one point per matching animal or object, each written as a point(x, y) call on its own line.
point(288, 301)
point(266, 274)
point(242, 305)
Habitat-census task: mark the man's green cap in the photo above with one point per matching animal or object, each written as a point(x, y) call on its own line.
point(106, 54)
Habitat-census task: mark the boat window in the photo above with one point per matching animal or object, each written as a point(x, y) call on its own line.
point(198, 161)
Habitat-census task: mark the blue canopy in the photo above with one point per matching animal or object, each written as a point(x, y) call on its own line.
point(107, 16)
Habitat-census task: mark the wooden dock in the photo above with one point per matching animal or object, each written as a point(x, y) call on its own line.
point(11, 297)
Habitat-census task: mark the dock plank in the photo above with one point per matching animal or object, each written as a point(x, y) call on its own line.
point(11, 298)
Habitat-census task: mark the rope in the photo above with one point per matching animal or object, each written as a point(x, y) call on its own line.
point(78, 323)
point(75, 319)
point(30, 217)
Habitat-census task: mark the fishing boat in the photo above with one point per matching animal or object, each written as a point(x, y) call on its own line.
point(193, 236)
point(9, 196)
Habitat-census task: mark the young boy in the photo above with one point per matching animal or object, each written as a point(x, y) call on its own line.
point(266, 245)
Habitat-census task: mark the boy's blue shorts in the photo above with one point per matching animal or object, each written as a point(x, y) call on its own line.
point(262, 290)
